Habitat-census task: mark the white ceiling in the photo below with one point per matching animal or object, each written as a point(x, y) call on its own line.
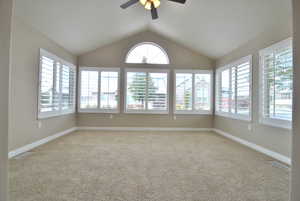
point(211, 27)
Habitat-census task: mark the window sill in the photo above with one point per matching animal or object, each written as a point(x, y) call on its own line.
point(99, 111)
point(146, 112)
point(234, 117)
point(192, 113)
point(50, 116)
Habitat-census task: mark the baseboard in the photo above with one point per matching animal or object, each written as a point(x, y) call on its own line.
point(256, 147)
point(33, 145)
point(142, 129)
point(251, 145)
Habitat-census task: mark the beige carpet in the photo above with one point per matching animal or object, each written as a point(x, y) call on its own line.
point(146, 166)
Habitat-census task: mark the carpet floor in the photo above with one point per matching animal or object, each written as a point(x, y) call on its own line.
point(146, 166)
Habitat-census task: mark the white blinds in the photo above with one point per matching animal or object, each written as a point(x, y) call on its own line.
point(193, 91)
point(277, 81)
point(99, 90)
point(147, 91)
point(233, 92)
point(57, 86)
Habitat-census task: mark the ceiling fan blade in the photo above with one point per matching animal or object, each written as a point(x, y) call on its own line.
point(153, 12)
point(178, 1)
point(129, 3)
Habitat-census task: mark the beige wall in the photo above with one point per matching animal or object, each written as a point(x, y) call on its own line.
point(24, 87)
point(296, 133)
point(276, 139)
point(113, 55)
point(5, 39)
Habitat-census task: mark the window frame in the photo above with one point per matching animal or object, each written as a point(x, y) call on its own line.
point(98, 109)
point(60, 112)
point(193, 111)
point(147, 71)
point(219, 71)
point(147, 43)
point(274, 122)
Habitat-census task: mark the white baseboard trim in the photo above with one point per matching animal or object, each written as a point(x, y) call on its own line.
point(251, 145)
point(33, 145)
point(142, 129)
point(256, 147)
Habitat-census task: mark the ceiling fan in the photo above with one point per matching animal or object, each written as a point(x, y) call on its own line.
point(151, 5)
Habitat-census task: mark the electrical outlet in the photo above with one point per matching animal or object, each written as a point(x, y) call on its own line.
point(111, 116)
point(174, 117)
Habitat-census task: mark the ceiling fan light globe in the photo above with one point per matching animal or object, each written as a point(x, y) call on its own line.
point(156, 3)
point(143, 2)
point(148, 5)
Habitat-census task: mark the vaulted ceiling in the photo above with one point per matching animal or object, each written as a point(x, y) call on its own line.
point(210, 27)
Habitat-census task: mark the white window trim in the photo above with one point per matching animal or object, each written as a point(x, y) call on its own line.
point(151, 43)
point(60, 112)
point(146, 111)
point(274, 122)
point(98, 110)
point(193, 111)
point(247, 118)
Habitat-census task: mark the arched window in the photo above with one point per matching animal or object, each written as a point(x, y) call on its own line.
point(147, 53)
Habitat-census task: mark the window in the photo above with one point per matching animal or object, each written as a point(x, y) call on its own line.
point(193, 92)
point(99, 90)
point(57, 86)
point(147, 53)
point(147, 91)
point(276, 65)
point(233, 89)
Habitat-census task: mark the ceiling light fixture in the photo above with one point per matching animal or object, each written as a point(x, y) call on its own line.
point(148, 3)
point(151, 5)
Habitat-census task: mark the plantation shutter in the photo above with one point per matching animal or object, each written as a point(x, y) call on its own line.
point(243, 88)
point(136, 90)
point(89, 89)
point(184, 91)
point(57, 86)
point(233, 92)
point(157, 96)
point(47, 98)
point(109, 90)
point(277, 93)
point(202, 95)
point(218, 101)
